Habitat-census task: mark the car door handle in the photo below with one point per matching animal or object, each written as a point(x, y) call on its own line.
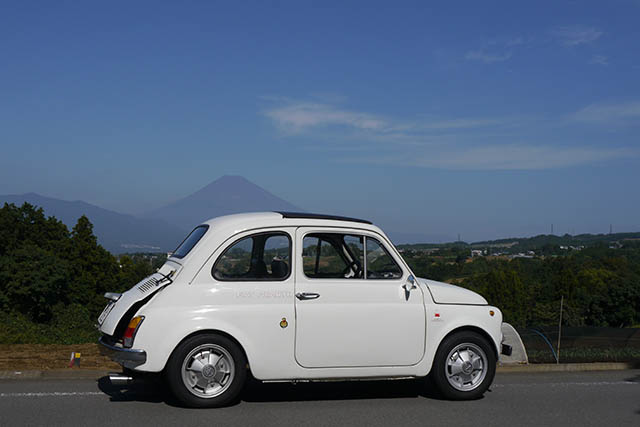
point(307, 295)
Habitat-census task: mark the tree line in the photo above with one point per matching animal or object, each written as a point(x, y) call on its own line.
point(52, 279)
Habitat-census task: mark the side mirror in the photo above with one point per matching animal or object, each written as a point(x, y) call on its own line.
point(411, 283)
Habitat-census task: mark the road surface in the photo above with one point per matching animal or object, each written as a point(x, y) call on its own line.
point(537, 399)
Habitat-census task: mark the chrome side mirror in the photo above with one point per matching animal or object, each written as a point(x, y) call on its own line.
point(411, 283)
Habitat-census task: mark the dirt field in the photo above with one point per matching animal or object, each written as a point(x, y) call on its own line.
point(44, 357)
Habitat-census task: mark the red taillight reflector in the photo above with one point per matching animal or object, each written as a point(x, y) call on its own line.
point(131, 330)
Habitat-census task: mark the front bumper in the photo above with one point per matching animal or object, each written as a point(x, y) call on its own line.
point(127, 357)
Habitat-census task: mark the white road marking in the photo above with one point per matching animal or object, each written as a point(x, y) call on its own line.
point(53, 394)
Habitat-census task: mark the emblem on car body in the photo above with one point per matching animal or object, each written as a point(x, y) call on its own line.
point(284, 323)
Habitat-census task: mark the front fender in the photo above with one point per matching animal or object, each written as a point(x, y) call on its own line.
point(444, 319)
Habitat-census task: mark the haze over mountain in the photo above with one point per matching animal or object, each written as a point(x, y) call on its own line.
point(115, 231)
point(226, 195)
point(164, 228)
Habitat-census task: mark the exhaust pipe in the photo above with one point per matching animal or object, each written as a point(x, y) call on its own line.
point(120, 379)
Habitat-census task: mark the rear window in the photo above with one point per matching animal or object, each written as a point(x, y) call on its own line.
point(191, 240)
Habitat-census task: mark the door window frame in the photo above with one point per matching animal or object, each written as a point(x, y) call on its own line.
point(349, 231)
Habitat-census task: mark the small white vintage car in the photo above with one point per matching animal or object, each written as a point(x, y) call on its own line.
point(296, 296)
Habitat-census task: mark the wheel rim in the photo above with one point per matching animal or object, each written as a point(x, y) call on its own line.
point(208, 370)
point(466, 367)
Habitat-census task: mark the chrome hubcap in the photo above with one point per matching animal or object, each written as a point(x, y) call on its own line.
point(466, 367)
point(208, 370)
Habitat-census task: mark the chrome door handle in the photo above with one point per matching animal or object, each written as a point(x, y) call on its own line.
point(307, 295)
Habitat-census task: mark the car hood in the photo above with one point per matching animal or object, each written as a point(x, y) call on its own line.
point(444, 293)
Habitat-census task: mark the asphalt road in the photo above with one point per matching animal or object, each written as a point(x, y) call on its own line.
point(540, 399)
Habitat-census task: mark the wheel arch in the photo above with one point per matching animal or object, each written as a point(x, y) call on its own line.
point(206, 332)
point(479, 331)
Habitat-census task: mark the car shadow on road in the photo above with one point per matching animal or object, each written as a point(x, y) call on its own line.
point(155, 391)
point(255, 391)
point(149, 390)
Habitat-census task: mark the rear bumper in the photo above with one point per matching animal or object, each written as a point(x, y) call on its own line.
point(127, 357)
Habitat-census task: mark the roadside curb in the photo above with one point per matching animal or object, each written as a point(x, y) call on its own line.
point(568, 367)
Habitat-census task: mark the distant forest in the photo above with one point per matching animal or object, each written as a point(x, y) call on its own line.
point(52, 279)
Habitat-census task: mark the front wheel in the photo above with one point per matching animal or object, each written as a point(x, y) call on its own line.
point(207, 371)
point(464, 366)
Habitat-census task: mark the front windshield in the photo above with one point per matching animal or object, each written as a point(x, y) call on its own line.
point(191, 240)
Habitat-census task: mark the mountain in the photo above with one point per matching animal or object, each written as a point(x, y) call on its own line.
point(224, 196)
point(117, 232)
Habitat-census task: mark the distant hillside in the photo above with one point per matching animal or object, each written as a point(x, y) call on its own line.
point(224, 196)
point(115, 231)
point(519, 244)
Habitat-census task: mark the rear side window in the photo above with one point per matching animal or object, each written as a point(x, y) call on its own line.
point(263, 256)
point(191, 240)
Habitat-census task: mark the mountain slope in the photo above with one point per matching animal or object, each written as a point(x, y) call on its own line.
point(117, 232)
point(224, 196)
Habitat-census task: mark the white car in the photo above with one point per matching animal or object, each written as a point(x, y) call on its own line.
point(296, 296)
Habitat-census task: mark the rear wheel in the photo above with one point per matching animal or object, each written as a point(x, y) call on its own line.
point(207, 371)
point(464, 366)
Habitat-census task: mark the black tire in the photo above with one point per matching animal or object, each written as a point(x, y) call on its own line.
point(183, 392)
point(440, 370)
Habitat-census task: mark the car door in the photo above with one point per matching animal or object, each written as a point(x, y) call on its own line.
point(348, 316)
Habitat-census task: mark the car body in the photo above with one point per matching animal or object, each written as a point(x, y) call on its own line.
point(300, 297)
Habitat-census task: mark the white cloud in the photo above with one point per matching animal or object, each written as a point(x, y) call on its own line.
point(515, 157)
point(462, 123)
point(487, 58)
point(599, 60)
point(447, 143)
point(575, 35)
point(296, 117)
point(623, 113)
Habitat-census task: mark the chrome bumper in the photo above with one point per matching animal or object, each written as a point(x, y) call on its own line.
point(127, 357)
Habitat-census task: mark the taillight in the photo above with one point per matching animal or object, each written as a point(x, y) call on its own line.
point(130, 332)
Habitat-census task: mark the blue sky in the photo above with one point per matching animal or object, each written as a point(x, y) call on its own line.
point(488, 119)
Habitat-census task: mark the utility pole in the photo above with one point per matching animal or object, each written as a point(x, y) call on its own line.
point(552, 228)
point(560, 328)
point(459, 237)
point(610, 228)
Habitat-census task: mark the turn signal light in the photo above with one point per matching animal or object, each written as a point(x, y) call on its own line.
point(130, 332)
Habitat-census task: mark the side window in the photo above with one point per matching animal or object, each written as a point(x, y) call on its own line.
point(333, 256)
point(263, 256)
point(380, 265)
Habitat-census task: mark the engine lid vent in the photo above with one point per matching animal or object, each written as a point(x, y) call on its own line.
point(147, 285)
